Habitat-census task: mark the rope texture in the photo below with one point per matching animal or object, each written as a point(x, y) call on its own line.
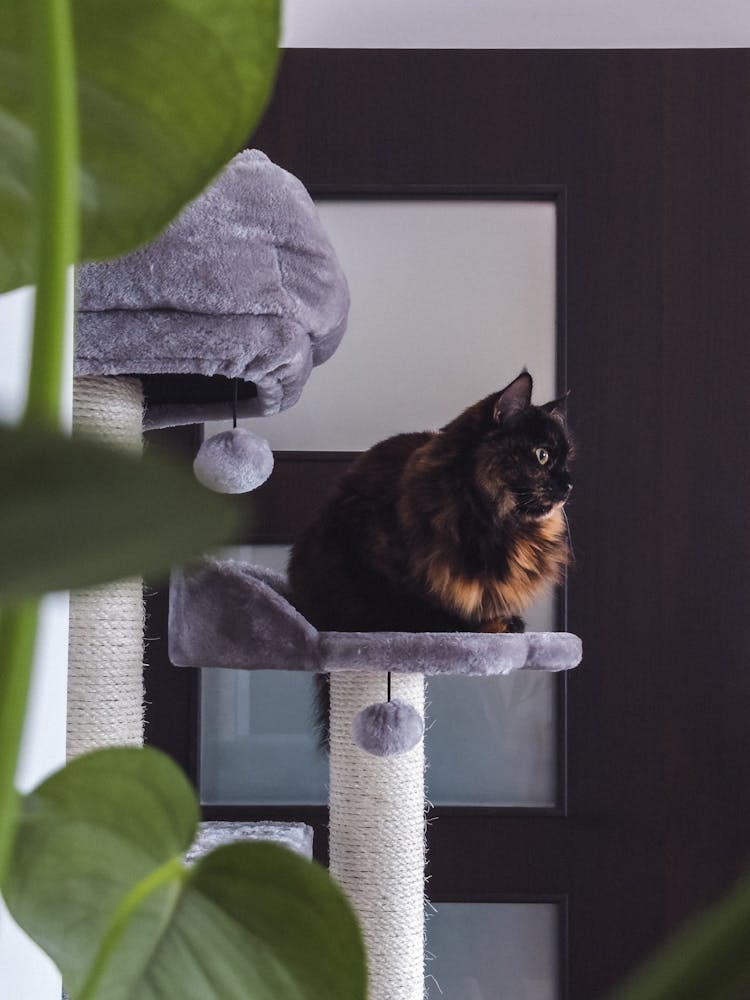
point(377, 852)
point(105, 646)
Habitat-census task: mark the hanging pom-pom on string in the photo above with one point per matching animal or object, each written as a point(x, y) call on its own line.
point(235, 461)
point(388, 728)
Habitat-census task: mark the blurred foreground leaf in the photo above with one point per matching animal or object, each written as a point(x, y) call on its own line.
point(74, 513)
point(97, 880)
point(168, 91)
point(708, 960)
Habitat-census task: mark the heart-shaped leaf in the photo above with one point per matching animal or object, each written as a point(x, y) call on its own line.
point(98, 881)
point(74, 513)
point(168, 91)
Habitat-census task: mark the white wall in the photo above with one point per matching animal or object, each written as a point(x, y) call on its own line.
point(25, 972)
point(516, 24)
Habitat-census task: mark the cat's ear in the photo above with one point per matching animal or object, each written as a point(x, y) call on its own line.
point(514, 398)
point(556, 408)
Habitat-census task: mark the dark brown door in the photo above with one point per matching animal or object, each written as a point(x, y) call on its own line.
point(648, 154)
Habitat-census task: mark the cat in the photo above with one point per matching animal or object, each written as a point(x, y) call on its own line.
point(450, 530)
point(457, 529)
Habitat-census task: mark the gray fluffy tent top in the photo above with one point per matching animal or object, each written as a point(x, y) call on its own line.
point(244, 284)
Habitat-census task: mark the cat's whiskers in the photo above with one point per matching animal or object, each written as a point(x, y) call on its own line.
point(524, 498)
point(567, 529)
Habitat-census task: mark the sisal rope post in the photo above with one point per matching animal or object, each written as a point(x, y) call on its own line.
point(105, 647)
point(377, 834)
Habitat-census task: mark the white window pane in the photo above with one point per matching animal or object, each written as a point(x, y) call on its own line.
point(258, 741)
point(493, 951)
point(491, 741)
point(450, 300)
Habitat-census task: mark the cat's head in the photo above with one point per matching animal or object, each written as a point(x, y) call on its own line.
point(521, 452)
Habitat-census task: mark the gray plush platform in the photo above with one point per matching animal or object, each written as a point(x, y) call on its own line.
point(298, 837)
point(224, 613)
point(243, 284)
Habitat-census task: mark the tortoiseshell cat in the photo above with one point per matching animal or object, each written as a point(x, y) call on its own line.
point(457, 529)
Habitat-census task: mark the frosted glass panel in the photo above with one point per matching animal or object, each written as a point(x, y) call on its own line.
point(258, 742)
point(493, 951)
point(450, 299)
point(489, 740)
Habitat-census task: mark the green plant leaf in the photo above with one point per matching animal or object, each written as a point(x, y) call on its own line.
point(97, 880)
point(168, 91)
point(708, 960)
point(74, 513)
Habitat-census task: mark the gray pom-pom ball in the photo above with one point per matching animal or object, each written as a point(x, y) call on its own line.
point(388, 728)
point(235, 461)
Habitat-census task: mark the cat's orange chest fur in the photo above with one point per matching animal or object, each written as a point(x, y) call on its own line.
point(534, 560)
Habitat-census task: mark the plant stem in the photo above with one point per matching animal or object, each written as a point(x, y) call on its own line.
point(173, 873)
point(57, 202)
point(17, 636)
point(57, 240)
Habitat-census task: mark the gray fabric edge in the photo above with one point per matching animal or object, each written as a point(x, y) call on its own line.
point(227, 614)
point(297, 837)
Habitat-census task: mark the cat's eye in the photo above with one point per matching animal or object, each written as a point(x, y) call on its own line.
point(542, 455)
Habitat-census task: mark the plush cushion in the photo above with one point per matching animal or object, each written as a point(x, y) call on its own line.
point(298, 837)
point(224, 613)
point(243, 284)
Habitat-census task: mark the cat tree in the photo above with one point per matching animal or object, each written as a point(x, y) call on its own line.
point(232, 615)
point(230, 308)
point(246, 286)
point(243, 285)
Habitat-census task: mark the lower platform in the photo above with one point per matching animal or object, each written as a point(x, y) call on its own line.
point(234, 615)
